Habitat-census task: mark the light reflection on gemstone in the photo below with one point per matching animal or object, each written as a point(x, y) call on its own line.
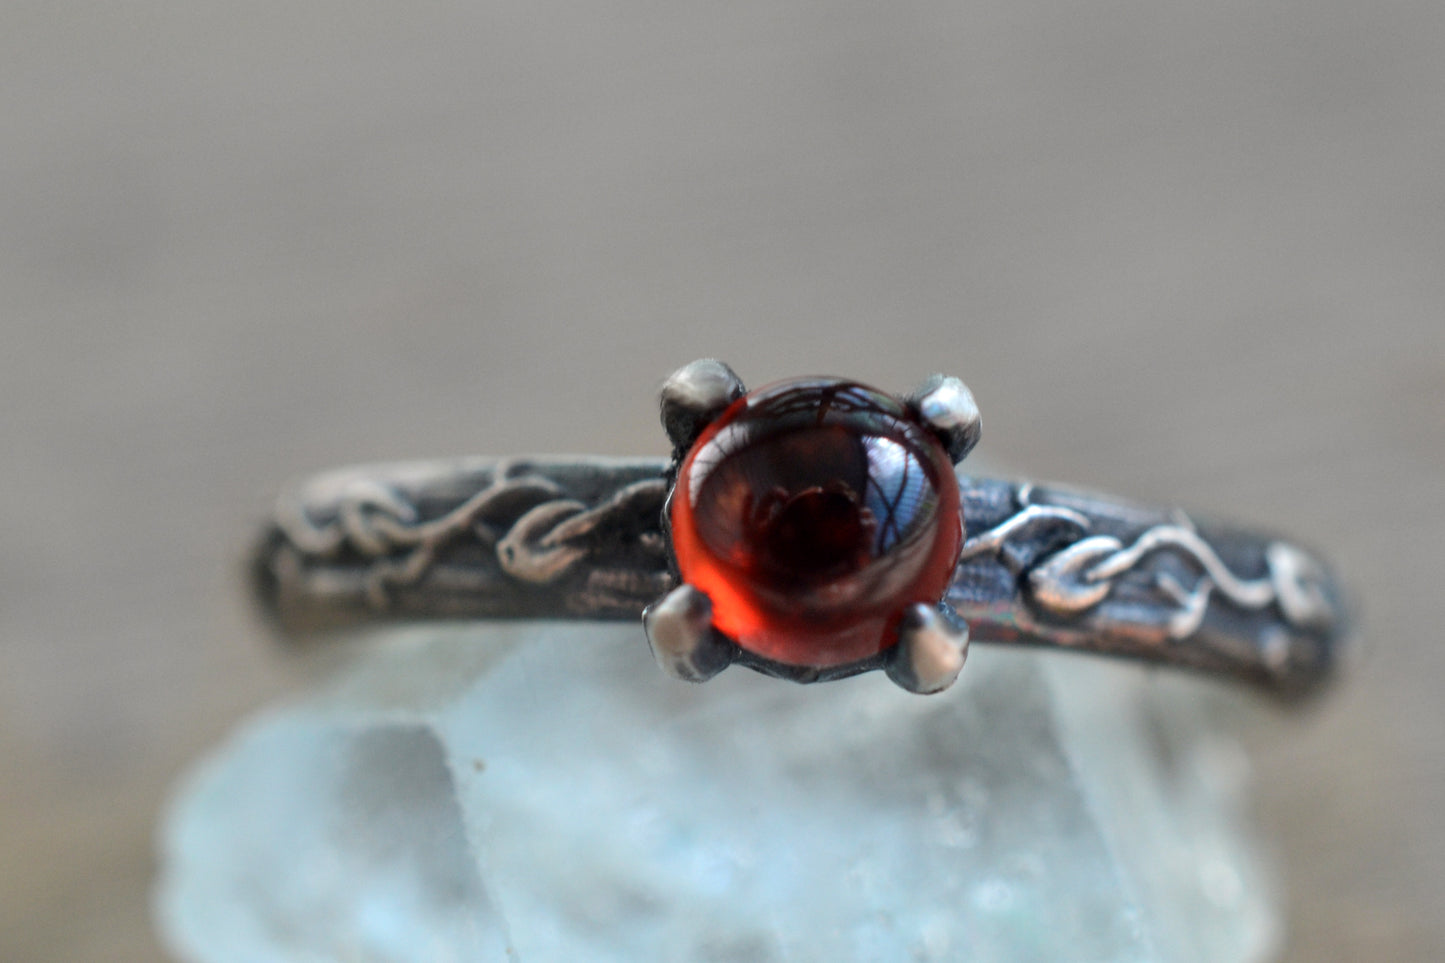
point(898, 493)
point(811, 513)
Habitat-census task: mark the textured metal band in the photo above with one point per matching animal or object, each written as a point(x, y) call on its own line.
point(483, 538)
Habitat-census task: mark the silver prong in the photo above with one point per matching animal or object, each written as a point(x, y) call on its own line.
point(947, 406)
point(694, 395)
point(932, 647)
point(684, 642)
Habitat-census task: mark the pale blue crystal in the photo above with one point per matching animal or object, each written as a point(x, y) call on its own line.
point(540, 792)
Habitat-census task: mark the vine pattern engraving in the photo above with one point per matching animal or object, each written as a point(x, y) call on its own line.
point(1072, 580)
point(537, 534)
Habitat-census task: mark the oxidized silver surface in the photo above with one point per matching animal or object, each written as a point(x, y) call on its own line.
point(582, 538)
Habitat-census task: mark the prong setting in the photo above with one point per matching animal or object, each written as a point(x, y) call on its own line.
point(811, 529)
point(945, 404)
point(683, 640)
point(694, 395)
point(932, 647)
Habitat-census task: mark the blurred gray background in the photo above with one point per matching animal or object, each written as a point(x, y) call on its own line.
point(1191, 252)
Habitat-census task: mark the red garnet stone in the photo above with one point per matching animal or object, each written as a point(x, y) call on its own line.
point(811, 513)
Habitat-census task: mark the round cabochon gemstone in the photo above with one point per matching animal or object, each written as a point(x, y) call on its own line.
point(811, 513)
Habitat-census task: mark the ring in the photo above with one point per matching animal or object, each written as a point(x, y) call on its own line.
point(810, 530)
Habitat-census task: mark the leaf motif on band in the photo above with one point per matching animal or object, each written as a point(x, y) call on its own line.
point(1074, 579)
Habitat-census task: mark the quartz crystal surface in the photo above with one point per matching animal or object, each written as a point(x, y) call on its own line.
point(539, 792)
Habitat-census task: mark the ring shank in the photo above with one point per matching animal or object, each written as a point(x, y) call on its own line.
point(581, 537)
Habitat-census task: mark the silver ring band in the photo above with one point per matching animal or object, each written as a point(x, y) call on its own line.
point(583, 538)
